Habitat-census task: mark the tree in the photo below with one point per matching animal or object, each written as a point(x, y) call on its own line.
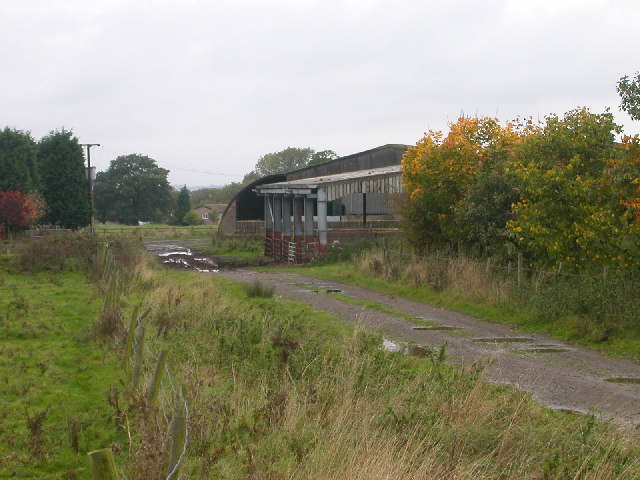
point(64, 180)
point(18, 210)
point(443, 174)
point(134, 188)
point(183, 206)
point(567, 212)
point(287, 160)
point(192, 218)
point(222, 194)
point(18, 160)
point(629, 91)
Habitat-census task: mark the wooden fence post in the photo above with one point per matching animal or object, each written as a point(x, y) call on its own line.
point(178, 432)
point(519, 268)
point(139, 350)
point(152, 393)
point(102, 465)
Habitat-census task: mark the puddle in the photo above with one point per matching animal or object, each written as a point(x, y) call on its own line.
point(414, 350)
point(627, 380)
point(436, 327)
point(327, 290)
point(503, 340)
point(411, 349)
point(391, 346)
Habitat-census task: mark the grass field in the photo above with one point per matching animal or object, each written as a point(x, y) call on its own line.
point(275, 391)
point(54, 379)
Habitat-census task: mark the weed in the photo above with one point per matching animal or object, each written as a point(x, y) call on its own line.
point(257, 289)
point(35, 425)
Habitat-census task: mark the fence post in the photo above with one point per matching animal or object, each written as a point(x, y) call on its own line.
point(102, 465)
point(139, 349)
point(488, 267)
point(178, 432)
point(519, 268)
point(152, 393)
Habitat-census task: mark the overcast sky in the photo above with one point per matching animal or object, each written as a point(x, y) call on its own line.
point(207, 87)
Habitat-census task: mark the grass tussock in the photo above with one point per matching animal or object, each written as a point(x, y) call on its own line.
point(257, 289)
point(277, 391)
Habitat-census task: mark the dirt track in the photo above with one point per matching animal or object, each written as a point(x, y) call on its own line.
point(558, 375)
point(575, 379)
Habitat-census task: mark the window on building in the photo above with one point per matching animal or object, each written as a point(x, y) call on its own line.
point(205, 216)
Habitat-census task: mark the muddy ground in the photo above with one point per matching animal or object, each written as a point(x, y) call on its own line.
point(558, 375)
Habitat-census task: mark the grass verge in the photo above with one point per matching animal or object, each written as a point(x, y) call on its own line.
point(278, 391)
point(54, 379)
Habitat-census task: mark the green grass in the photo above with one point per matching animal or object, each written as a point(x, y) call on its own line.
point(569, 328)
point(49, 367)
point(277, 390)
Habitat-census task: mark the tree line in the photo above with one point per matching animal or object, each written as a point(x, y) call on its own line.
point(564, 191)
point(43, 181)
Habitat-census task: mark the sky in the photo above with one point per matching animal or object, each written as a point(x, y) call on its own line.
point(206, 87)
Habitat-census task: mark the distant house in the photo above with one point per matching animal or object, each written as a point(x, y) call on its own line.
point(211, 213)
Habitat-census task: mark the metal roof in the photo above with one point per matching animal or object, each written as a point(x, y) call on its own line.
point(315, 182)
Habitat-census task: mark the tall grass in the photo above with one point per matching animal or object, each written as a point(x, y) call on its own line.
point(591, 308)
point(277, 391)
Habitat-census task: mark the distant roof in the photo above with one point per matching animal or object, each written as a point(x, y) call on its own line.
point(315, 182)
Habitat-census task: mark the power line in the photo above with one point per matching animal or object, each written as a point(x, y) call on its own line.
point(188, 169)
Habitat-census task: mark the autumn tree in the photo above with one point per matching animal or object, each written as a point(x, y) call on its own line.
point(134, 188)
point(18, 161)
point(443, 174)
point(19, 210)
point(64, 179)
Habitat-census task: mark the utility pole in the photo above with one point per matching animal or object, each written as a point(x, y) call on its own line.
point(89, 145)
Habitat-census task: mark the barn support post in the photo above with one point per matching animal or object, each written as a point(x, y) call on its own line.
point(322, 219)
point(268, 225)
point(309, 239)
point(286, 225)
point(277, 227)
point(298, 235)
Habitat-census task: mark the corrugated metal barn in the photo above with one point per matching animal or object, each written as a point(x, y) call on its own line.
point(302, 211)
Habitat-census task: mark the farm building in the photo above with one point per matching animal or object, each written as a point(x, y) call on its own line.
point(300, 212)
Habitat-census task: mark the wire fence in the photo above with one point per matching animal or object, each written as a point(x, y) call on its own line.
point(156, 394)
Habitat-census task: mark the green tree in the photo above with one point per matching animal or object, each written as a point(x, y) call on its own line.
point(18, 160)
point(192, 218)
point(134, 188)
point(224, 194)
point(64, 180)
point(567, 212)
point(629, 91)
point(183, 206)
point(287, 160)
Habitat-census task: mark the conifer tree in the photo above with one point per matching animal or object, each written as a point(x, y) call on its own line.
point(64, 179)
point(17, 161)
point(183, 205)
